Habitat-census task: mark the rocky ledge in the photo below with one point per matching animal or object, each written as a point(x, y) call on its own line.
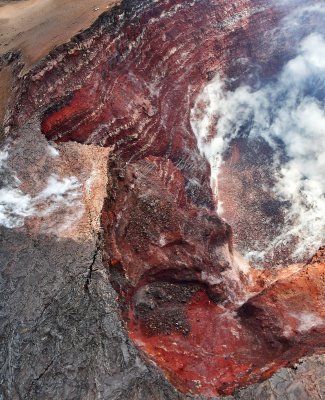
point(126, 274)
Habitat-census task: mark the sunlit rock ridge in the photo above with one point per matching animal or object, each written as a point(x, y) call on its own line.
point(179, 145)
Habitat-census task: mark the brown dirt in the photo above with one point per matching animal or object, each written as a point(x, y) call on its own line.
point(5, 84)
point(37, 26)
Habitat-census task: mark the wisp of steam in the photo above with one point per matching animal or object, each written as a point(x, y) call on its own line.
point(289, 110)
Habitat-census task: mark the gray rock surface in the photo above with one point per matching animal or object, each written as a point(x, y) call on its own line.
point(305, 381)
point(61, 335)
point(62, 341)
point(59, 338)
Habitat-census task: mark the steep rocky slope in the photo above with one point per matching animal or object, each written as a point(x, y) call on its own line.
point(114, 255)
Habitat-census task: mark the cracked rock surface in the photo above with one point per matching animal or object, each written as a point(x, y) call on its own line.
point(57, 340)
point(61, 335)
point(72, 219)
point(60, 341)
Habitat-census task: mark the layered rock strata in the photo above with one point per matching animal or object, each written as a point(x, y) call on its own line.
point(187, 299)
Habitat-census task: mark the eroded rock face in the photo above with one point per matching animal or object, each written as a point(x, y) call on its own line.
point(187, 299)
point(173, 266)
point(153, 230)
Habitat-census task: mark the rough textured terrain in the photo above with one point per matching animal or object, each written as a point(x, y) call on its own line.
point(34, 27)
point(131, 250)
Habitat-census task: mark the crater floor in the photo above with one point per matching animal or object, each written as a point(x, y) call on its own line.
point(116, 254)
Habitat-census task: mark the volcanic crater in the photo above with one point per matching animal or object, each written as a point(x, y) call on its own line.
point(134, 83)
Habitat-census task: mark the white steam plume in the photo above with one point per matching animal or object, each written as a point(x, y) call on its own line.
point(291, 111)
point(16, 205)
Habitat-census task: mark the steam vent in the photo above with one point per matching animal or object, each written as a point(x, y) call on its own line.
point(162, 200)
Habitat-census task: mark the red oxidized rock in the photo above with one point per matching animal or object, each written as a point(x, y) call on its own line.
point(129, 83)
point(173, 266)
point(154, 232)
point(227, 347)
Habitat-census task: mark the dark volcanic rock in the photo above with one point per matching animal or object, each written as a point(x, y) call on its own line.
point(59, 341)
point(61, 333)
point(152, 230)
point(128, 248)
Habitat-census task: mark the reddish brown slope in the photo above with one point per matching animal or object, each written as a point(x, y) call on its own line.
point(130, 83)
